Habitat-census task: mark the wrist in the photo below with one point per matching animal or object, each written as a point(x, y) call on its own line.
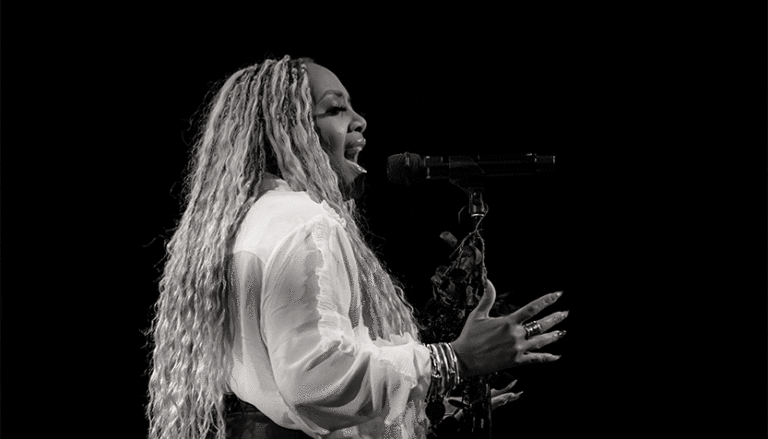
point(462, 366)
point(445, 375)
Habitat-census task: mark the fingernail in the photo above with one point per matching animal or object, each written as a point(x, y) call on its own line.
point(561, 334)
point(557, 357)
point(564, 315)
point(558, 294)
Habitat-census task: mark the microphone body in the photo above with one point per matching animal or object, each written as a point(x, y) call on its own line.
point(409, 168)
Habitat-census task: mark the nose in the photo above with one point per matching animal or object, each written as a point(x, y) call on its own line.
point(358, 123)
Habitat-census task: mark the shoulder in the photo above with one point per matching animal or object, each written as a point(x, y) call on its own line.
point(278, 214)
point(286, 206)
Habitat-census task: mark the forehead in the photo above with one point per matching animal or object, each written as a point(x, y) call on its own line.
point(322, 80)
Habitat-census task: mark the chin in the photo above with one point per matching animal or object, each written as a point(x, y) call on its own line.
point(357, 187)
point(354, 188)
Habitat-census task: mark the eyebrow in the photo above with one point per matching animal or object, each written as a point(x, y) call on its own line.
point(335, 93)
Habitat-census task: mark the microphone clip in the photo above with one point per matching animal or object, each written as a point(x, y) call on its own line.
point(466, 174)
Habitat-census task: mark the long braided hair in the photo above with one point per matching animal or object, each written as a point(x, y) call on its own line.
point(260, 120)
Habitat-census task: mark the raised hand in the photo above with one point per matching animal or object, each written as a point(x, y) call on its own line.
point(504, 396)
point(490, 344)
point(498, 398)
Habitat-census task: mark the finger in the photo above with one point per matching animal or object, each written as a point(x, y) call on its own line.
point(551, 320)
point(485, 303)
point(533, 308)
point(495, 392)
point(500, 400)
point(538, 342)
point(538, 358)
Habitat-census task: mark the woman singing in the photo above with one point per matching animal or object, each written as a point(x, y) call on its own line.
point(275, 318)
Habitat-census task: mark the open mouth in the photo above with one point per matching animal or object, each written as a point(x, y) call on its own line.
point(352, 151)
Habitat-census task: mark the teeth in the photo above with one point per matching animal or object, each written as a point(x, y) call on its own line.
point(354, 149)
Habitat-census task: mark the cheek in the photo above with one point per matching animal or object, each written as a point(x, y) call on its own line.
point(333, 138)
point(336, 142)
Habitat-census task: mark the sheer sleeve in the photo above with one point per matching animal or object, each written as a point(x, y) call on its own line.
point(327, 369)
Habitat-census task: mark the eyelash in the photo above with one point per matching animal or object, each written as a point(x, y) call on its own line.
point(337, 109)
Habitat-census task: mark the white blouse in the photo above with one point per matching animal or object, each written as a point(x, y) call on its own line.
point(300, 354)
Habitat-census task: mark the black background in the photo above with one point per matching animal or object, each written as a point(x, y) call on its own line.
point(633, 225)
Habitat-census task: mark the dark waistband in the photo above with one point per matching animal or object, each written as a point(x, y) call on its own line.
point(245, 420)
point(234, 405)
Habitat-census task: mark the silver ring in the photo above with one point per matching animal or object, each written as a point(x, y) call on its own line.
point(532, 329)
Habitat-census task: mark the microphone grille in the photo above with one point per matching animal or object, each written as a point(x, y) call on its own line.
point(406, 168)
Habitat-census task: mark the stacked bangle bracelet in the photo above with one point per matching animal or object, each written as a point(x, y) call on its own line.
point(445, 371)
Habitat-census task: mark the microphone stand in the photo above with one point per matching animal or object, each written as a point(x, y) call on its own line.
point(476, 391)
point(457, 289)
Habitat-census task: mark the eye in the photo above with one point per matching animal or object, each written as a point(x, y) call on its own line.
point(336, 109)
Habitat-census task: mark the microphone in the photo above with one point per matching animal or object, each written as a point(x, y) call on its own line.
point(408, 168)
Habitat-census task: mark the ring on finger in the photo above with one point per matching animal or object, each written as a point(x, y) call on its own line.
point(532, 329)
